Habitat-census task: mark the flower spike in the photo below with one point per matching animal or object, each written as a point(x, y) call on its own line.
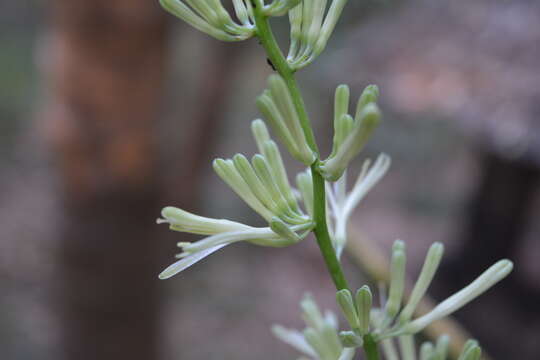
point(210, 17)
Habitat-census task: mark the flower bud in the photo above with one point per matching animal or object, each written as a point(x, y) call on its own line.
point(346, 304)
point(364, 301)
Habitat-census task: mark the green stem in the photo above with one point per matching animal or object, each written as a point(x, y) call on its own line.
point(321, 230)
point(268, 41)
point(275, 56)
point(370, 348)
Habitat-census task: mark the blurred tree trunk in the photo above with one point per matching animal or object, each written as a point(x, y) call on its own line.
point(105, 70)
point(105, 62)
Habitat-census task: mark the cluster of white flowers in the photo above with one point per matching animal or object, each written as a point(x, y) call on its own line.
point(309, 33)
point(320, 339)
point(392, 320)
point(310, 28)
point(264, 185)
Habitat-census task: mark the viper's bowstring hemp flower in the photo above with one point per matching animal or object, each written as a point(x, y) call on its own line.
point(210, 17)
point(350, 134)
point(342, 204)
point(276, 104)
point(311, 29)
point(264, 186)
point(320, 339)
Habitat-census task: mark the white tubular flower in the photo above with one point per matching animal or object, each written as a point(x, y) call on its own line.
point(310, 30)
point(222, 232)
point(320, 339)
point(277, 106)
point(210, 17)
point(350, 134)
point(490, 277)
point(342, 204)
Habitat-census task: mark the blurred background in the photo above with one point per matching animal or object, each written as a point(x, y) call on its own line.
point(110, 110)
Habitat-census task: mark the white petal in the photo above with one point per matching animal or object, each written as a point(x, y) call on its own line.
point(294, 338)
point(183, 264)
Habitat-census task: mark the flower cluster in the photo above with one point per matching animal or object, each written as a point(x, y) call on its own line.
point(310, 30)
point(350, 134)
point(392, 320)
point(263, 184)
point(320, 339)
point(276, 104)
point(210, 17)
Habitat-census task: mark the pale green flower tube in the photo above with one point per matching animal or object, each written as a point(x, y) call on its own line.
point(490, 277)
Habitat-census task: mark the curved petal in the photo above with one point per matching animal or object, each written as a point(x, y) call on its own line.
point(186, 262)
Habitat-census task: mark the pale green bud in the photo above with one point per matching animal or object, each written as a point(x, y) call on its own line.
point(441, 348)
point(426, 351)
point(389, 349)
point(397, 279)
point(333, 167)
point(368, 96)
point(276, 105)
point(304, 182)
point(343, 122)
point(260, 133)
point(364, 300)
point(269, 149)
point(228, 173)
point(471, 350)
point(328, 26)
point(280, 205)
point(429, 269)
point(346, 304)
point(350, 339)
point(407, 347)
point(245, 170)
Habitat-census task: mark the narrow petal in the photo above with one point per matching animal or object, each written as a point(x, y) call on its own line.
point(186, 262)
point(293, 338)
